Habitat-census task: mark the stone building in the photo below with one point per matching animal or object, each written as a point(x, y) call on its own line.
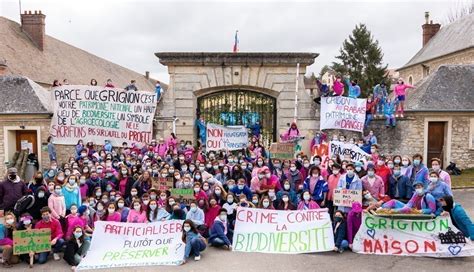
point(30, 61)
point(450, 44)
point(236, 88)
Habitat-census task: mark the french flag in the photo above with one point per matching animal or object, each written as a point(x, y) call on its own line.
point(236, 42)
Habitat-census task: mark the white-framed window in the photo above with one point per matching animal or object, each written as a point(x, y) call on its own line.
point(471, 134)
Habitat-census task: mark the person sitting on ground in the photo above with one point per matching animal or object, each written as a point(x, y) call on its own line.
point(6, 240)
point(340, 232)
point(421, 201)
point(195, 243)
point(76, 248)
point(57, 242)
point(218, 234)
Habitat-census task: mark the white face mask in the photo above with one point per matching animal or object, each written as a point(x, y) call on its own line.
point(285, 199)
point(419, 191)
point(306, 197)
point(306, 165)
point(287, 186)
point(266, 204)
point(121, 205)
point(137, 208)
point(186, 228)
point(223, 217)
point(111, 211)
point(293, 168)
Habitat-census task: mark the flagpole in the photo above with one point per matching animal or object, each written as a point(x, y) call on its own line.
point(296, 90)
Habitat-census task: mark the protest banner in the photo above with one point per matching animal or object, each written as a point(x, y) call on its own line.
point(163, 184)
point(345, 198)
point(340, 112)
point(95, 113)
point(342, 150)
point(288, 232)
point(35, 240)
point(227, 138)
point(282, 151)
point(186, 195)
point(430, 238)
point(117, 244)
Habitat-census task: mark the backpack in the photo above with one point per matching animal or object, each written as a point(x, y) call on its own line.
point(23, 204)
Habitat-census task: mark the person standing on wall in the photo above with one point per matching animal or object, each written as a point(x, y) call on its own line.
point(51, 149)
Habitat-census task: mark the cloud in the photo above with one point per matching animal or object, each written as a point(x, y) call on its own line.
point(130, 32)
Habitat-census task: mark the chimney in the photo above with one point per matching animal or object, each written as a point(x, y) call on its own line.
point(147, 75)
point(3, 67)
point(429, 29)
point(33, 25)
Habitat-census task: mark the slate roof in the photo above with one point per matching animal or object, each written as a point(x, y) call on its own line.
point(20, 95)
point(60, 60)
point(458, 35)
point(449, 89)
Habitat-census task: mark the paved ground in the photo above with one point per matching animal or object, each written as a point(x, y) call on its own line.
point(220, 260)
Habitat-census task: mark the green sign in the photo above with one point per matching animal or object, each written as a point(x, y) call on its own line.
point(186, 195)
point(36, 240)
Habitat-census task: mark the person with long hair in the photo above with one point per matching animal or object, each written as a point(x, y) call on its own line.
point(195, 243)
point(458, 215)
point(76, 247)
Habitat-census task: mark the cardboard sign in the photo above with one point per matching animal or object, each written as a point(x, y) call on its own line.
point(225, 138)
point(287, 232)
point(436, 237)
point(97, 114)
point(342, 150)
point(117, 244)
point(186, 195)
point(340, 112)
point(163, 184)
point(35, 240)
point(345, 198)
point(283, 151)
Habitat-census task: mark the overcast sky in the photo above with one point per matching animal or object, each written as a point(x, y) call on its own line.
point(130, 32)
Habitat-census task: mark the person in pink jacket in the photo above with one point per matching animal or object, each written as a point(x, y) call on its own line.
point(111, 213)
point(56, 203)
point(161, 148)
point(354, 220)
point(443, 175)
point(74, 219)
point(400, 92)
point(136, 214)
point(292, 132)
point(338, 86)
point(307, 203)
point(172, 143)
point(373, 183)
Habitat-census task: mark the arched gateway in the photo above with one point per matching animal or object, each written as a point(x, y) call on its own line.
point(235, 89)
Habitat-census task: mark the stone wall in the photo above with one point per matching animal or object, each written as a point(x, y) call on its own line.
point(416, 71)
point(460, 152)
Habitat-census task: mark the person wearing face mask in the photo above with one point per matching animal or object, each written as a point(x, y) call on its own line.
point(231, 205)
point(436, 187)
point(41, 200)
point(295, 177)
point(372, 182)
point(399, 187)
point(36, 182)
point(6, 240)
point(349, 181)
point(318, 161)
point(421, 200)
point(156, 212)
point(125, 182)
point(110, 178)
point(94, 182)
point(224, 175)
point(83, 187)
point(211, 212)
point(73, 219)
point(317, 186)
point(359, 169)
point(266, 203)
point(285, 204)
point(198, 192)
point(143, 183)
point(418, 171)
point(195, 243)
point(122, 209)
point(76, 248)
point(304, 170)
point(242, 188)
point(443, 175)
point(196, 215)
point(57, 204)
point(340, 232)
point(49, 222)
point(286, 190)
point(219, 193)
point(383, 171)
point(11, 190)
point(71, 192)
point(258, 166)
point(137, 214)
point(458, 216)
point(306, 203)
point(219, 236)
point(333, 180)
point(111, 213)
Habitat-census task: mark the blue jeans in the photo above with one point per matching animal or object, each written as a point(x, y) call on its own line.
point(218, 242)
point(43, 256)
point(197, 245)
point(368, 119)
point(390, 121)
point(344, 244)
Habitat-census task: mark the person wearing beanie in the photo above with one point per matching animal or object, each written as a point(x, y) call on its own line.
point(11, 189)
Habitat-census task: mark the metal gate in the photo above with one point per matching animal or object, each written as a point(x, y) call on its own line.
point(240, 107)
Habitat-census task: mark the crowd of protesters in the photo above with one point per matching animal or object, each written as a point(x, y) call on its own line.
point(102, 182)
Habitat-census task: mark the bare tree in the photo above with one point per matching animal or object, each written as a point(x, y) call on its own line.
point(461, 9)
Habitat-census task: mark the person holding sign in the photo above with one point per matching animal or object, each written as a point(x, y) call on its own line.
point(48, 222)
point(195, 243)
point(349, 181)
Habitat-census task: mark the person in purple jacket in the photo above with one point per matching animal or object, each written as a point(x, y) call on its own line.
point(421, 200)
point(418, 171)
point(11, 189)
point(354, 220)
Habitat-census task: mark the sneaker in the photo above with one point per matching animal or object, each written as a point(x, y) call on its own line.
point(341, 250)
point(197, 258)
point(56, 257)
